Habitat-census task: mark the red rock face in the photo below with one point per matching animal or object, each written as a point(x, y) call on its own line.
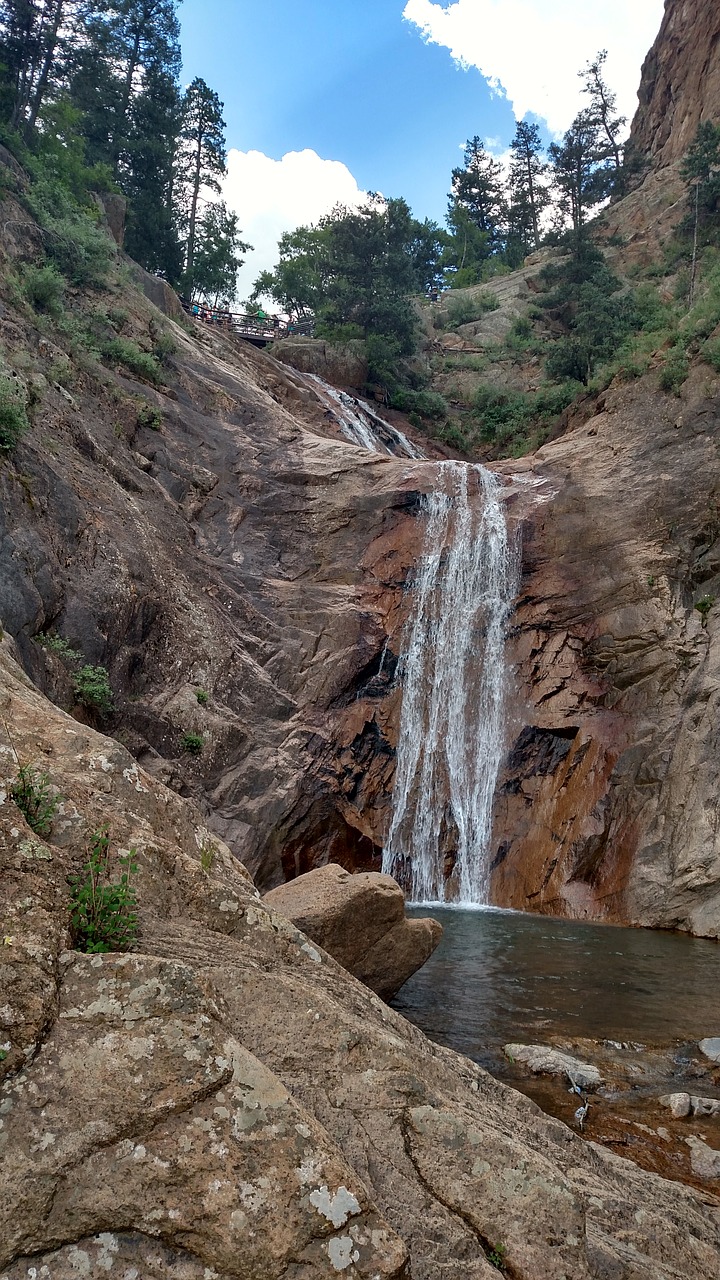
point(680, 85)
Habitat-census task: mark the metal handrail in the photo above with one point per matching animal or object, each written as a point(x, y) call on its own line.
point(269, 328)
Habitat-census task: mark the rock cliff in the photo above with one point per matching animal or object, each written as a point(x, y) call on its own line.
point(231, 545)
point(680, 86)
point(226, 1103)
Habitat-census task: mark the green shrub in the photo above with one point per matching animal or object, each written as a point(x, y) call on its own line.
point(149, 415)
point(126, 352)
point(703, 606)
point(92, 690)
point(208, 854)
point(193, 743)
point(202, 696)
point(675, 370)
point(164, 347)
point(44, 287)
point(465, 309)
point(58, 645)
point(72, 238)
point(33, 796)
point(505, 414)
point(710, 353)
point(13, 413)
point(103, 911)
point(423, 404)
point(118, 317)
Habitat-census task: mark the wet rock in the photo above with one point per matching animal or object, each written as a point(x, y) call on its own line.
point(541, 1060)
point(711, 1048)
point(360, 920)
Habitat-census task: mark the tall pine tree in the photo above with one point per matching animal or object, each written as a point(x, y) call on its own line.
point(201, 161)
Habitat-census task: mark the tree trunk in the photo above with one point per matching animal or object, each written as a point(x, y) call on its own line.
point(51, 42)
point(194, 203)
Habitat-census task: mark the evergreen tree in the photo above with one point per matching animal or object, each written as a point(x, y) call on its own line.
point(580, 171)
point(35, 38)
point(603, 106)
point(701, 171)
point(528, 193)
point(218, 255)
point(466, 248)
point(479, 189)
point(201, 159)
point(148, 175)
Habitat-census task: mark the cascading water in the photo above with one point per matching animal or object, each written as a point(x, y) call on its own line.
point(453, 675)
point(361, 425)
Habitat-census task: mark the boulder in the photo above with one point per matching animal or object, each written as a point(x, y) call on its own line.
point(711, 1048)
point(360, 920)
point(679, 1104)
point(704, 1160)
point(541, 1060)
point(342, 364)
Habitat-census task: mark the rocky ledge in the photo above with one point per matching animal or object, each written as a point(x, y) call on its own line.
point(226, 1101)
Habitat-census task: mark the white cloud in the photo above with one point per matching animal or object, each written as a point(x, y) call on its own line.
point(532, 49)
point(274, 196)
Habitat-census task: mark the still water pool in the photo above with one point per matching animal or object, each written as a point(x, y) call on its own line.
point(502, 976)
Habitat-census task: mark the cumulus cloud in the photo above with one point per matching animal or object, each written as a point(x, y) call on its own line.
point(274, 196)
point(531, 50)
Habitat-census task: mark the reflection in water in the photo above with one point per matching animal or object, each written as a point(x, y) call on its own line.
point(501, 976)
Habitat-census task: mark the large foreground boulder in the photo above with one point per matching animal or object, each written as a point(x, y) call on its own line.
point(360, 920)
point(227, 1103)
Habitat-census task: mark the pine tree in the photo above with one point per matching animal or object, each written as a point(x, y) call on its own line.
point(580, 171)
point(202, 156)
point(34, 38)
point(148, 175)
point(478, 188)
point(528, 193)
point(218, 255)
point(603, 106)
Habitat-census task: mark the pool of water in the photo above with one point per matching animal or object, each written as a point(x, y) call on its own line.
point(501, 976)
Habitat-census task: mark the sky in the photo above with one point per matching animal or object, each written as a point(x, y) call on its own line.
point(326, 100)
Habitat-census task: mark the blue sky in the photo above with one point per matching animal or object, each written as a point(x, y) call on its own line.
point(327, 99)
point(349, 79)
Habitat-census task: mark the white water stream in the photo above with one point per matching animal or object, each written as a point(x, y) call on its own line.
point(361, 425)
point(452, 669)
point(454, 685)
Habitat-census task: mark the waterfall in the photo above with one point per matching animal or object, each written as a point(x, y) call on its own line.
point(453, 675)
point(361, 425)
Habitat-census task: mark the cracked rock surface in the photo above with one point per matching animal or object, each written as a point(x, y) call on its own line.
point(226, 1101)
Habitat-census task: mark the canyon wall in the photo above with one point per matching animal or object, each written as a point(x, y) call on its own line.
point(680, 85)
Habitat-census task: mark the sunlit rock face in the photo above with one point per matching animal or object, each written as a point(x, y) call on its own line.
point(606, 808)
point(680, 85)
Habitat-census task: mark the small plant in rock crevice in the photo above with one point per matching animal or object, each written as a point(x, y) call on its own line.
point(496, 1257)
point(149, 415)
point(202, 696)
point(193, 743)
point(208, 854)
point(91, 687)
point(103, 909)
point(703, 606)
point(33, 795)
point(60, 646)
point(13, 413)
